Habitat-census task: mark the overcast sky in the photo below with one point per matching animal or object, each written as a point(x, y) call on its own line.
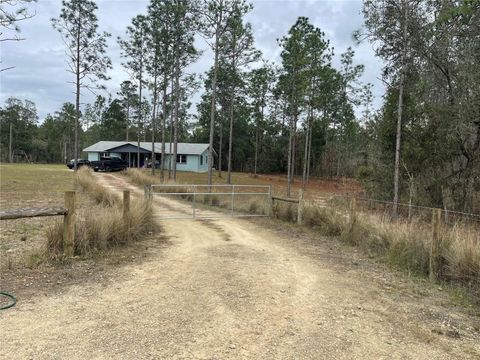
point(39, 74)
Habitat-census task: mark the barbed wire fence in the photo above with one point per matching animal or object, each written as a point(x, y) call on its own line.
point(407, 212)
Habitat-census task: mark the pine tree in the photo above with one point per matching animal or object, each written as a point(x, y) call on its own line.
point(238, 48)
point(212, 23)
point(86, 49)
point(134, 49)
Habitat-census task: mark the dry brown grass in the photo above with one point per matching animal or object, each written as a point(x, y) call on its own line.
point(402, 244)
point(100, 229)
point(139, 177)
point(463, 255)
point(326, 220)
point(406, 245)
point(85, 180)
point(104, 225)
point(285, 211)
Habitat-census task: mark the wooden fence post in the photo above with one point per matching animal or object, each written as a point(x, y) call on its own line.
point(126, 204)
point(434, 246)
point(69, 224)
point(300, 208)
point(270, 202)
point(147, 192)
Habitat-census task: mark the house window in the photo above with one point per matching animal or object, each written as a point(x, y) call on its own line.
point(201, 160)
point(105, 154)
point(181, 159)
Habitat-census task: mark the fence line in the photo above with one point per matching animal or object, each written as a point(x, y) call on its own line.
point(410, 207)
point(68, 211)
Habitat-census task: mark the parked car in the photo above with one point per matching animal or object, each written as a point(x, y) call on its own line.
point(80, 162)
point(109, 164)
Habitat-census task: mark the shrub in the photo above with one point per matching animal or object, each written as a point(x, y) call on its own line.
point(88, 184)
point(104, 225)
point(324, 219)
point(214, 200)
point(463, 256)
point(285, 211)
point(102, 228)
point(139, 177)
point(253, 206)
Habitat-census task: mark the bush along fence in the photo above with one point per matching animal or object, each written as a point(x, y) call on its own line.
point(422, 240)
point(435, 259)
point(299, 202)
point(69, 217)
point(408, 211)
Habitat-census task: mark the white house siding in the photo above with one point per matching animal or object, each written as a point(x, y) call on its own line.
point(193, 163)
point(93, 156)
point(196, 153)
point(204, 166)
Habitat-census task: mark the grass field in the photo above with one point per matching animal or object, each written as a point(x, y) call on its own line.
point(24, 185)
point(29, 185)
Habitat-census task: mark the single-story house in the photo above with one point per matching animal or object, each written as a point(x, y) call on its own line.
point(190, 157)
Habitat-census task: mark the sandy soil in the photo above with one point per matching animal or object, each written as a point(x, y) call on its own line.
point(239, 289)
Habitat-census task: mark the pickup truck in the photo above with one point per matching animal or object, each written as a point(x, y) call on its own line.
point(109, 164)
point(80, 162)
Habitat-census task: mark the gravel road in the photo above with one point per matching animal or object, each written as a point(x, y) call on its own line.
point(237, 289)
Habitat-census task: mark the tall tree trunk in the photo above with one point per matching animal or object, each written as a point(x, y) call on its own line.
point(10, 140)
point(232, 112)
point(64, 151)
point(140, 110)
point(257, 130)
point(212, 112)
point(170, 162)
point(127, 120)
point(309, 153)
point(396, 177)
point(289, 165)
point(154, 114)
point(256, 150)
point(294, 145)
point(230, 138)
point(127, 127)
point(220, 147)
point(164, 116)
point(305, 156)
point(77, 99)
point(175, 127)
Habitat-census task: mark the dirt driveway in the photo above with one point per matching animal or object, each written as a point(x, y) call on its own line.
point(239, 289)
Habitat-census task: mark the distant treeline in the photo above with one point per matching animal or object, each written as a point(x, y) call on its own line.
point(302, 116)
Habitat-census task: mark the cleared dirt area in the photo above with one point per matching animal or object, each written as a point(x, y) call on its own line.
point(240, 289)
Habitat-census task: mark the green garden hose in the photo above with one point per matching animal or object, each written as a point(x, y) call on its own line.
point(11, 297)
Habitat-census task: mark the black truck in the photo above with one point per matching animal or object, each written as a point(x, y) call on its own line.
point(80, 162)
point(109, 164)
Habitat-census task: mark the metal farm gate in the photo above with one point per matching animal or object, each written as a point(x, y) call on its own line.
point(210, 201)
